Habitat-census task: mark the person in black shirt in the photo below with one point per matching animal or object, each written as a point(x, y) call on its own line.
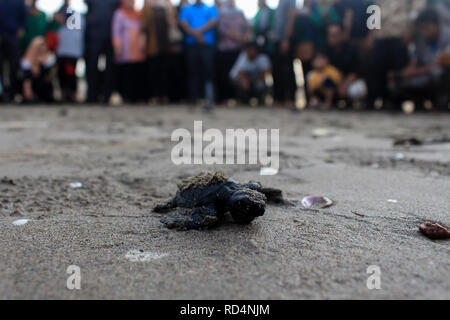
point(354, 17)
point(343, 56)
point(98, 43)
point(12, 23)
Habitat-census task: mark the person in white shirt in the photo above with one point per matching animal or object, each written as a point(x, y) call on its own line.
point(37, 65)
point(249, 74)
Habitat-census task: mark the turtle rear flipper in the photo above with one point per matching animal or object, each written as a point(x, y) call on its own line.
point(196, 218)
point(273, 195)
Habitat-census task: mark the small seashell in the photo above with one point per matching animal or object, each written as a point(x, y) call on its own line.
point(321, 133)
point(317, 201)
point(268, 171)
point(434, 231)
point(20, 222)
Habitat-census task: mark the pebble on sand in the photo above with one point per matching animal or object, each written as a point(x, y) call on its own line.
point(144, 256)
point(76, 185)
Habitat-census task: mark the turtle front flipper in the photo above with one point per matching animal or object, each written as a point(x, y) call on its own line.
point(252, 186)
point(272, 195)
point(196, 218)
point(165, 207)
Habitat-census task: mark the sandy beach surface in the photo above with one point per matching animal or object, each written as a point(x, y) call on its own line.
point(121, 157)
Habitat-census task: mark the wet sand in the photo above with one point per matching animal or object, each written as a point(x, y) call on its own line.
point(121, 156)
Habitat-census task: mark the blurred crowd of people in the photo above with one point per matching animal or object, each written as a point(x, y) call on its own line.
point(212, 54)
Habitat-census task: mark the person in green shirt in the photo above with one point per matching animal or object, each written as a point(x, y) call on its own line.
point(36, 24)
point(263, 27)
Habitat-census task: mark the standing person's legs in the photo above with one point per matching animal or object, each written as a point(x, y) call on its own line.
point(285, 86)
point(379, 61)
point(219, 71)
point(389, 55)
point(221, 76)
point(14, 63)
point(152, 77)
point(277, 75)
point(442, 97)
point(2, 86)
point(67, 78)
point(110, 82)
point(93, 51)
point(126, 81)
point(195, 80)
point(140, 81)
point(164, 92)
point(304, 51)
point(226, 60)
point(176, 71)
point(160, 76)
point(207, 56)
point(62, 78)
point(288, 79)
point(131, 81)
point(72, 83)
point(9, 56)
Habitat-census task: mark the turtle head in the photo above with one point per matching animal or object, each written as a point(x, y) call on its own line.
point(247, 204)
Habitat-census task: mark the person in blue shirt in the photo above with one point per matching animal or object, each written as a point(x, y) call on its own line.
point(199, 22)
point(13, 15)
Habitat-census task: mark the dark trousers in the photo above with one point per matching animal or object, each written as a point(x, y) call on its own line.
point(67, 77)
point(200, 59)
point(132, 79)
point(284, 85)
point(443, 95)
point(158, 76)
point(225, 62)
point(9, 58)
point(100, 83)
point(42, 86)
point(177, 70)
point(258, 90)
point(43, 89)
point(436, 89)
point(388, 55)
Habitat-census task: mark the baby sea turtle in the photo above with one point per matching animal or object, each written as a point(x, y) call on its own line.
point(203, 200)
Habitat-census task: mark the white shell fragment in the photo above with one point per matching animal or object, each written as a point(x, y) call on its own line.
point(317, 201)
point(268, 172)
point(144, 256)
point(393, 201)
point(321, 133)
point(76, 185)
point(20, 222)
